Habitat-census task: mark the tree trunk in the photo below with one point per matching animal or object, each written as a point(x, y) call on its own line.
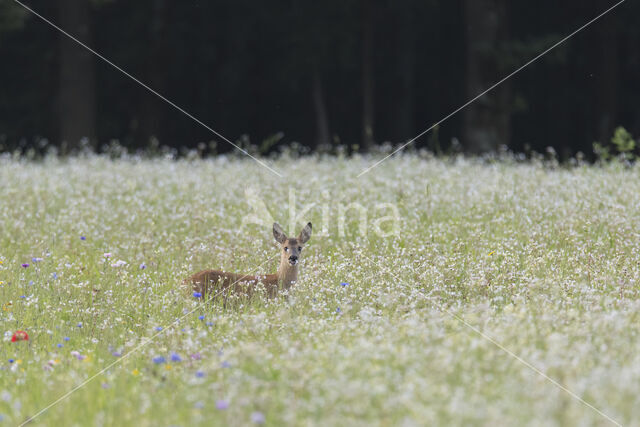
point(151, 109)
point(367, 75)
point(406, 73)
point(487, 120)
point(323, 134)
point(606, 81)
point(76, 84)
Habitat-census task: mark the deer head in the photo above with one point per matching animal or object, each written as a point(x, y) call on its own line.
point(291, 248)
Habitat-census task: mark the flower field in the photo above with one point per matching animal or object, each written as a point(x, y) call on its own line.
point(448, 292)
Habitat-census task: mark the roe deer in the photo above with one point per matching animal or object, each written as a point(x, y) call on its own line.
point(208, 281)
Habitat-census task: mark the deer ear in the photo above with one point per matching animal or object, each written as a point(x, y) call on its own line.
point(278, 233)
point(305, 234)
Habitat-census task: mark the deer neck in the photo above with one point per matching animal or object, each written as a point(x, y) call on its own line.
point(287, 273)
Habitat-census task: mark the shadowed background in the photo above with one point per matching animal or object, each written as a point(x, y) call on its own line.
point(353, 73)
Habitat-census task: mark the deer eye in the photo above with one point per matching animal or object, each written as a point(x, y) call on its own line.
point(299, 248)
point(286, 249)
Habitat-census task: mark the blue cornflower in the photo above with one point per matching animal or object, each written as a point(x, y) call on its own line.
point(30, 282)
point(11, 360)
point(158, 328)
point(116, 354)
point(159, 359)
point(79, 325)
point(338, 310)
point(226, 364)
point(54, 275)
point(209, 323)
point(197, 295)
point(37, 259)
point(60, 345)
point(175, 357)
point(199, 374)
point(143, 266)
point(258, 417)
point(201, 317)
point(22, 296)
point(343, 284)
point(66, 338)
point(83, 238)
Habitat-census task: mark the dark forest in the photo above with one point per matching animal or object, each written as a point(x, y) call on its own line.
point(350, 73)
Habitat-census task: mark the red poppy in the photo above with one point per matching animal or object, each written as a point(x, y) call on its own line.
point(20, 336)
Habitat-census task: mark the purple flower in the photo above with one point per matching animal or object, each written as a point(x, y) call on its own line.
point(105, 386)
point(195, 294)
point(83, 238)
point(343, 284)
point(175, 357)
point(77, 355)
point(79, 325)
point(25, 265)
point(258, 417)
point(116, 354)
point(107, 254)
point(201, 317)
point(338, 310)
point(143, 266)
point(196, 356)
point(54, 275)
point(199, 374)
point(209, 323)
point(222, 404)
point(158, 359)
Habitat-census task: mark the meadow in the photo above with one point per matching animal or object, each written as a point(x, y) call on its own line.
point(423, 283)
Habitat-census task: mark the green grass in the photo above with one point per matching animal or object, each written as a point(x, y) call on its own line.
point(545, 262)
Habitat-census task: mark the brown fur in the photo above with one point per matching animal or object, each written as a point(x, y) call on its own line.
point(207, 281)
point(216, 282)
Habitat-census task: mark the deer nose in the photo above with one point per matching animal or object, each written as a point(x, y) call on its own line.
point(293, 258)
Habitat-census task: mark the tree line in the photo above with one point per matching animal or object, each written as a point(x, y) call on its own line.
point(349, 73)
